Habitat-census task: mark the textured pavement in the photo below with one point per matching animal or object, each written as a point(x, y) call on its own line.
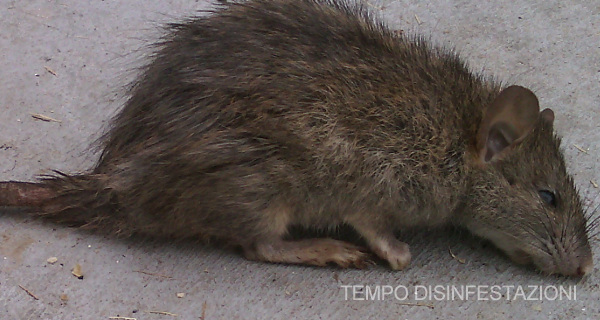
point(70, 60)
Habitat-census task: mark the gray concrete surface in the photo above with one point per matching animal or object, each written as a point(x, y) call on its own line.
point(93, 47)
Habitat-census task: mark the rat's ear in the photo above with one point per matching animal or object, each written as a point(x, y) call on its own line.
point(507, 121)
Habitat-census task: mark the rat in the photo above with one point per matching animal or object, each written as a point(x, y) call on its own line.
point(268, 114)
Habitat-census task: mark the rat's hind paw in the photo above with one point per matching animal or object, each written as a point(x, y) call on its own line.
point(316, 252)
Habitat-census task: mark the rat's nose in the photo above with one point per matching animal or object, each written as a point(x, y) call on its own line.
point(586, 266)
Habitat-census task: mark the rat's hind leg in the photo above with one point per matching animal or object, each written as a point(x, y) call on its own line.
point(385, 245)
point(271, 245)
point(317, 252)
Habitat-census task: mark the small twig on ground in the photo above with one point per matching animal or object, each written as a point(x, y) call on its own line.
point(43, 117)
point(455, 257)
point(418, 304)
point(153, 274)
point(418, 20)
point(29, 292)
point(580, 148)
point(164, 313)
point(51, 71)
point(203, 317)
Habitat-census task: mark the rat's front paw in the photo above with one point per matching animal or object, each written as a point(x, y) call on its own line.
point(396, 253)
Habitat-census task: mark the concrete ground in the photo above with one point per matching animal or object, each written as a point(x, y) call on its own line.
point(68, 60)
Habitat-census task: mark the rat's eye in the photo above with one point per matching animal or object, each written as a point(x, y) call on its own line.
point(548, 197)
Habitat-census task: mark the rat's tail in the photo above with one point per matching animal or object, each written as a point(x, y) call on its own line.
point(79, 200)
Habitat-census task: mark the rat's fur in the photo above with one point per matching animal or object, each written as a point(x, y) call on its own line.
point(268, 114)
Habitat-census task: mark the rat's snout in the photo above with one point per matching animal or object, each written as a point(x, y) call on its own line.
point(576, 267)
point(583, 267)
point(569, 265)
point(577, 264)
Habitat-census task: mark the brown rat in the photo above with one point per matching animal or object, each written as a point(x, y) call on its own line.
point(271, 114)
